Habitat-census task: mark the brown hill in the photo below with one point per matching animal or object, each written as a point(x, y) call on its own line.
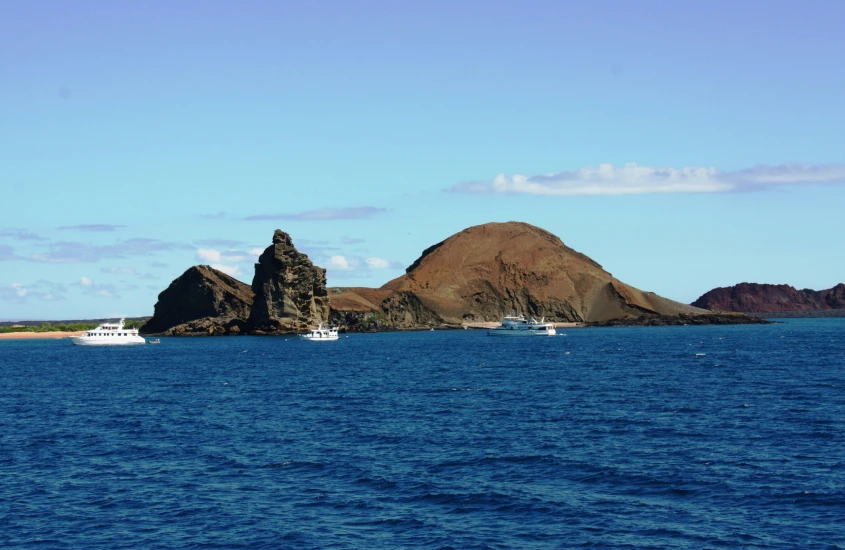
point(485, 272)
point(765, 298)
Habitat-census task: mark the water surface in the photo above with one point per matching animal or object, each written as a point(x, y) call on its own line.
point(648, 437)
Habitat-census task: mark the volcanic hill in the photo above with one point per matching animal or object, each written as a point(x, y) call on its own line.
point(765, 298)
point(487, 271)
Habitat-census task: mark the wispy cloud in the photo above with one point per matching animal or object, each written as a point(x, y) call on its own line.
point(231, 270)
point(7, 254)
point(351, 240)
point(92, 288)
point(218, 242)
point(92, 227)
point(20, 234)
point(227, 260)
point(629, 179)
point(76, 252)
point(119, 270)
point(356, 213)
point(208, 255)
point(129, 271)
point(41, 289)
point(14, 293)
point(359, 264)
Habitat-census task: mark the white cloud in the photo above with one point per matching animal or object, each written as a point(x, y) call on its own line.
point(208, 255)
point(93, 288)
point(377, 263)
point(38, 290)
point(338, 262)
point(255, 251)
point(607, 179)
point(231, 270)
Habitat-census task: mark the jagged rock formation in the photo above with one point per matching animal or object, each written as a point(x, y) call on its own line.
point(290, 291)
point(684, 319)
point(765, 298)
point(490, 270)
point(201, 301)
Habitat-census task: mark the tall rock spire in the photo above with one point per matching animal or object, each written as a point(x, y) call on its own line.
point(290, 291)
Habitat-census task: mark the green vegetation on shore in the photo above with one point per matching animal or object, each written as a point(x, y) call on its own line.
point(62, 327)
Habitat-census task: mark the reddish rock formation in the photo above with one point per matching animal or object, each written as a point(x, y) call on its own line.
point(485, 272)
point(765, 298)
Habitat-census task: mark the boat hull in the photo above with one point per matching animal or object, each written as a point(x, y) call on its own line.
point(520, 333)
point(318, 338)
point(130, 341)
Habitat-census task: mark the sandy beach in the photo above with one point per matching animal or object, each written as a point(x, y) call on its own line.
point(27, 335)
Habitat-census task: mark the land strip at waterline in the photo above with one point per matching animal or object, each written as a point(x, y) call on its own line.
point(56, 329)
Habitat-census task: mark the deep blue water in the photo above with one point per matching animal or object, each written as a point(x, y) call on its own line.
point(686, 437)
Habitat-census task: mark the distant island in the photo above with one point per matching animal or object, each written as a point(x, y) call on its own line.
point(775, 300)
point(475, 276)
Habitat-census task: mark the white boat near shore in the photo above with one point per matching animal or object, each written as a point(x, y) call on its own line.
point(320, 334)
point(518, 325)
point(109, 334)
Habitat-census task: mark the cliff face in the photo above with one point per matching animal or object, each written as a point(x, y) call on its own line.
point(490, 270)
point(201, 301)
point(290, 291)
point(765, 298)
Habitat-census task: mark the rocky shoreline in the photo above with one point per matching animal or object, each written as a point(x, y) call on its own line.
point(684, 319)
point(809, 314)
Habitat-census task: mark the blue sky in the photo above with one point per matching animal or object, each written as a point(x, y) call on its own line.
point(682, 145)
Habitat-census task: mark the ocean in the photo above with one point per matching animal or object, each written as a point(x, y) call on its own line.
point(651, 437)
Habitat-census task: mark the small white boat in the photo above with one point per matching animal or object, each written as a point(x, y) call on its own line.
point(109, 334)
point(518, 325)
point(320, 334)
point(155, 341)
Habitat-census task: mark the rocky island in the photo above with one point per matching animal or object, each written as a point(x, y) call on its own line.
point(288, 294)
point(775, 300)
point(477, 275)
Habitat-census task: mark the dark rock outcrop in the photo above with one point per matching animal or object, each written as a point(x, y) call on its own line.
point(290, 291)
point(765, 298)
point(683, 319)
point(201, 301)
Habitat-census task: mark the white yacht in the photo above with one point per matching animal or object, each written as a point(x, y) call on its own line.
point(109, 334)
point(320, 334)
point(518, 325)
